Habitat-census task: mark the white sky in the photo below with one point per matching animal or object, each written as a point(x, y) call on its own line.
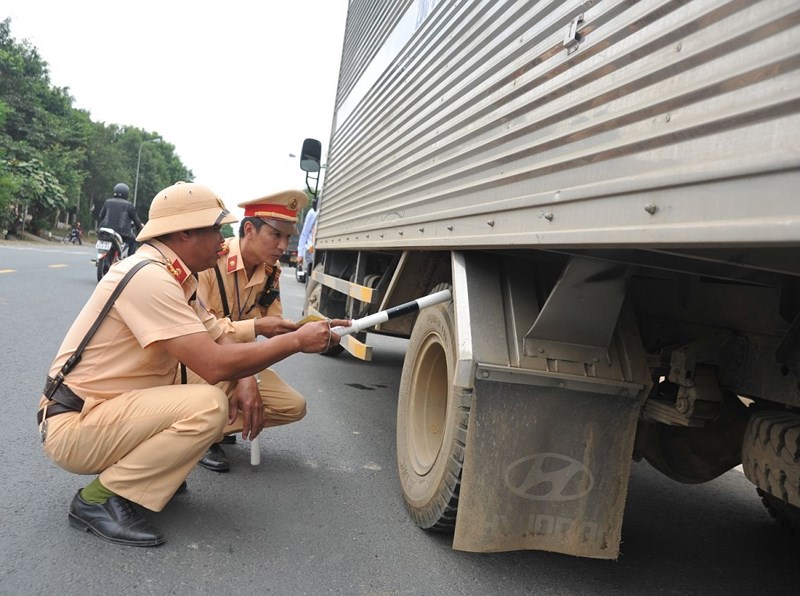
point(235, 85)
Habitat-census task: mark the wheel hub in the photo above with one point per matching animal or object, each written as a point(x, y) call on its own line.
point(428, 406)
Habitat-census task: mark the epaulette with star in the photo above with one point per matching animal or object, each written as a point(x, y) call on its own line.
point(177, 271)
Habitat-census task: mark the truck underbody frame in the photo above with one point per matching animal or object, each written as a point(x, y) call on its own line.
point(659, 378)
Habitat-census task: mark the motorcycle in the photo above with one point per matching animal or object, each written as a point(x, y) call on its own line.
point(110, 249)
point(73, 237)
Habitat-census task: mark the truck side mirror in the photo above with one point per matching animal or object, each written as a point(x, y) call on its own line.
point(310, 155)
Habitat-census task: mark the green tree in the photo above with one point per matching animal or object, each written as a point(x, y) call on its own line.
point(36, 144)
point(39, 193)
point(9, 188)
point(54, 160)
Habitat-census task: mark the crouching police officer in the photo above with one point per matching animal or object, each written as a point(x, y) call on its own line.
point(110, 405)
point(243, 291)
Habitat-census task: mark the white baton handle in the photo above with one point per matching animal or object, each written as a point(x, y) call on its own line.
point(395, 311)
point(255, 451)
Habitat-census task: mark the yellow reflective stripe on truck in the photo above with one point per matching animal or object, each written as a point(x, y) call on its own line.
point(358, 349)
point(359, 292)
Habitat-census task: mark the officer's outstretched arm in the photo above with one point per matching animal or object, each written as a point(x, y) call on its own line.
point(215, 362)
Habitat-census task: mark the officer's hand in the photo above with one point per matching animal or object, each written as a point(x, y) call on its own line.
point(246, 399)
point(272, 326)
point(317, 337)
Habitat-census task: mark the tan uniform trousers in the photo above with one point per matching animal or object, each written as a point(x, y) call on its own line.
point(282, 403)
point(125, 439)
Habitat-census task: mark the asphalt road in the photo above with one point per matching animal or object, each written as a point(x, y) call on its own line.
point(322, 514)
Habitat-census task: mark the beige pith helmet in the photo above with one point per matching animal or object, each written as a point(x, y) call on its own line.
point(184, 206)
point(279, 210)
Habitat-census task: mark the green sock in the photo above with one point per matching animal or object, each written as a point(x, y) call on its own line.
point(94, 492)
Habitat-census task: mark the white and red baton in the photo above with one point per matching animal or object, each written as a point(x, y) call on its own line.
point(395, 311)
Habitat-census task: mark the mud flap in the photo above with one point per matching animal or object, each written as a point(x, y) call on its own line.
point(546, 468)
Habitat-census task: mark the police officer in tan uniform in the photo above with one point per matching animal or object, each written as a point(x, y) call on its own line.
point(117, 412)
point(243, 290)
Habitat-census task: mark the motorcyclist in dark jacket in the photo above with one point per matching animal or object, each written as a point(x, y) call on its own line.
point(119, 214)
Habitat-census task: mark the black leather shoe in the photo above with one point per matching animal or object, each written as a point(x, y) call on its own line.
point(183, 488)
point(115, 520)
point(215, 459)
point(228, 440)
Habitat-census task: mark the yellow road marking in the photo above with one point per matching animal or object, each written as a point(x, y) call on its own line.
point(7, 270)
point(57, 266)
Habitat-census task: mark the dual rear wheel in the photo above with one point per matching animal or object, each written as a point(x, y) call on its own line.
point(770, 459)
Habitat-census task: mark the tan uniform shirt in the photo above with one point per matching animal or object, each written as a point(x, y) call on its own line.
point(125, 353)
point(242, 293)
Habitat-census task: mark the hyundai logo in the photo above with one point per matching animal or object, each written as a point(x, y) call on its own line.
point(548, 477)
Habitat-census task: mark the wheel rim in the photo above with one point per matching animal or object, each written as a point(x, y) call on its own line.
point(427, 411)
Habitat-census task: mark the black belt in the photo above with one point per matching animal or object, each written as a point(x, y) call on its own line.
point(53, 410)
point(65, 399)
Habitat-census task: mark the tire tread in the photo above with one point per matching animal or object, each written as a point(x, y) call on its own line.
point(770, 456)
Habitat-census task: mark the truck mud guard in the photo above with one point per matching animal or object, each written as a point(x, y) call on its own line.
point(548, 450)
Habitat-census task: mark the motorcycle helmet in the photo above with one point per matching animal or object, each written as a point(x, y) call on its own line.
point(121, 190)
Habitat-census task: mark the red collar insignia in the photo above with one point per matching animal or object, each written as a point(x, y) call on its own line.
point(177, 271)
point(233, 261)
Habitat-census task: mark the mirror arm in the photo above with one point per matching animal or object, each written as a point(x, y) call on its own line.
point(316, 184)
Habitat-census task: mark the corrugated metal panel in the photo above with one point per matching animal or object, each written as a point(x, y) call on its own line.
point(368, 24)
point(673, 122)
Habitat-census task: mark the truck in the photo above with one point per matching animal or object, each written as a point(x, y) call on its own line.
point(609, 189)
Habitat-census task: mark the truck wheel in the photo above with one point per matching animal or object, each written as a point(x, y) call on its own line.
point(432, 417)
point(770, 456)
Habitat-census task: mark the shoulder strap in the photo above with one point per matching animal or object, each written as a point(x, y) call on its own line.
point(72, 361)
point(269, 294)
point(222, 294)
point(271, 278)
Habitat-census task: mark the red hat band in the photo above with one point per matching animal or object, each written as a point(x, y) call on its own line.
point(273, 211)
